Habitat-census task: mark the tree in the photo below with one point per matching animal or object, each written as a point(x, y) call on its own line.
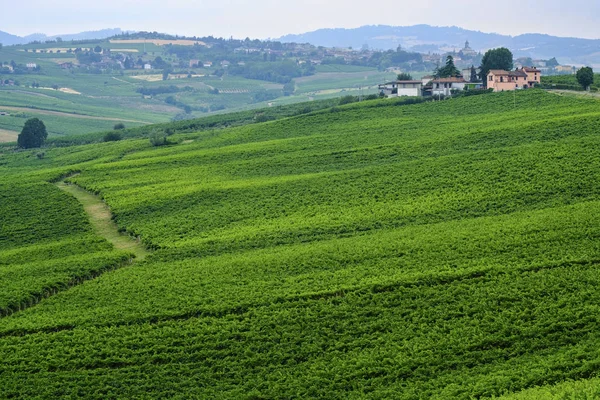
point(405, 76)
point(112, 137)
point(585, 77)
point(119, 126)
point(289, 88)
point(473, 74)
point(33, 134)
point(449, 70)
point(97, 49)
point(500, 58)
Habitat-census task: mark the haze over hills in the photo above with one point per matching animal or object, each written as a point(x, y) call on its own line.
point(426, 38)
point(9, 39)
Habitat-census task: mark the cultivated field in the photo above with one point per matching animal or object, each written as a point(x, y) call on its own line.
point(445, 250)
point(159, 42)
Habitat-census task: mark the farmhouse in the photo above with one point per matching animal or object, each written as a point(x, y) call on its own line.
point(445, 86)
point(426, 79)
point(534, 75)
point(208, 64)
point(194, 63)
point(523, 78)
point(402, 88)
point(147, 67)
point(31, 65)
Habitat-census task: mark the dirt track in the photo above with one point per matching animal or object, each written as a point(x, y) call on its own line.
point(64, 114)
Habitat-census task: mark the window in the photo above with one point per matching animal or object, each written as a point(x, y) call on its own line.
point(491, 78)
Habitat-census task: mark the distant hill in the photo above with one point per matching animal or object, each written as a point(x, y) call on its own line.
point(8, 39)
point(426, 38)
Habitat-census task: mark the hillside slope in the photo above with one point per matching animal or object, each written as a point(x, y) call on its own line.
point(441, 250)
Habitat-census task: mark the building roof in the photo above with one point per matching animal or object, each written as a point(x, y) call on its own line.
point(396, 82)
point(531, 69)
point(449, 80)
point(501, 72)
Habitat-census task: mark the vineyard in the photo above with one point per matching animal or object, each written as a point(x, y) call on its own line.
point(374, 250)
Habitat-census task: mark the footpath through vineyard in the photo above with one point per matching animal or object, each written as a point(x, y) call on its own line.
point(101, 219)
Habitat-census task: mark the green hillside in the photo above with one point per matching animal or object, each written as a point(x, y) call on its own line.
point(77, 90)
point(375, 250)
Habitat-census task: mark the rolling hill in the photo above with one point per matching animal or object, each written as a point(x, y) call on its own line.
point(427, 38)
point(444, 250)
point(9, 39)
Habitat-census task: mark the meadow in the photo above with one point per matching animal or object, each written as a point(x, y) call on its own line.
point(444, 250)
point(113, 95)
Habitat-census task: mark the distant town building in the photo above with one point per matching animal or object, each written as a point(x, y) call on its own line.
point(445, 86)
point(402, 88)
point(468, 51)
point(225, 64)
point(565, 69)
point(194, 63)
point(466, 73)
point(31, 65)
point(147, 67)
point(208, 64)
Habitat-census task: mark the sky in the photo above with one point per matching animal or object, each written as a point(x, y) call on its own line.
point(272, 18)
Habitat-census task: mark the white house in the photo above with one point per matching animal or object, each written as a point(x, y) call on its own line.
point(147, 66)
point(426, 79)
point(444, 86)
point(402, 88)
point(208, 64)
point(31, 65)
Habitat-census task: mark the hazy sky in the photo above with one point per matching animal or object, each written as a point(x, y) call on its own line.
point(272, 18)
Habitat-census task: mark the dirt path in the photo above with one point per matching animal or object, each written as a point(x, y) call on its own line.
point(65, 114)
point(574, 93)
point(8, 136)
point(101, 219)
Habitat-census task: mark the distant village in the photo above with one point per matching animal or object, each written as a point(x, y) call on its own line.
point(523, 77)
point(282, 62)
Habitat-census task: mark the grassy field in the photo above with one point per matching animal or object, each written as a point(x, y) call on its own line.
point(114, 95)
point(445, 250)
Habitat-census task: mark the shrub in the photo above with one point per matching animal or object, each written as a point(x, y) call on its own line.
point(158, 138)
point(119, 126)
point(112, 137)
point(347, 100)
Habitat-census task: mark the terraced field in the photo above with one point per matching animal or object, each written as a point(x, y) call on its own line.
point(440, 250)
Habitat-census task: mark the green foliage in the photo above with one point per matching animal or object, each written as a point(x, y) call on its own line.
point(347, 100)
point(158, 138)
point(119, 126)
point(500, 58)
point(34, 134)
point(449, 70)
point(437, 250)
point(568, 82)
point(585, 77)
point(112, 137)
point(404, 76)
